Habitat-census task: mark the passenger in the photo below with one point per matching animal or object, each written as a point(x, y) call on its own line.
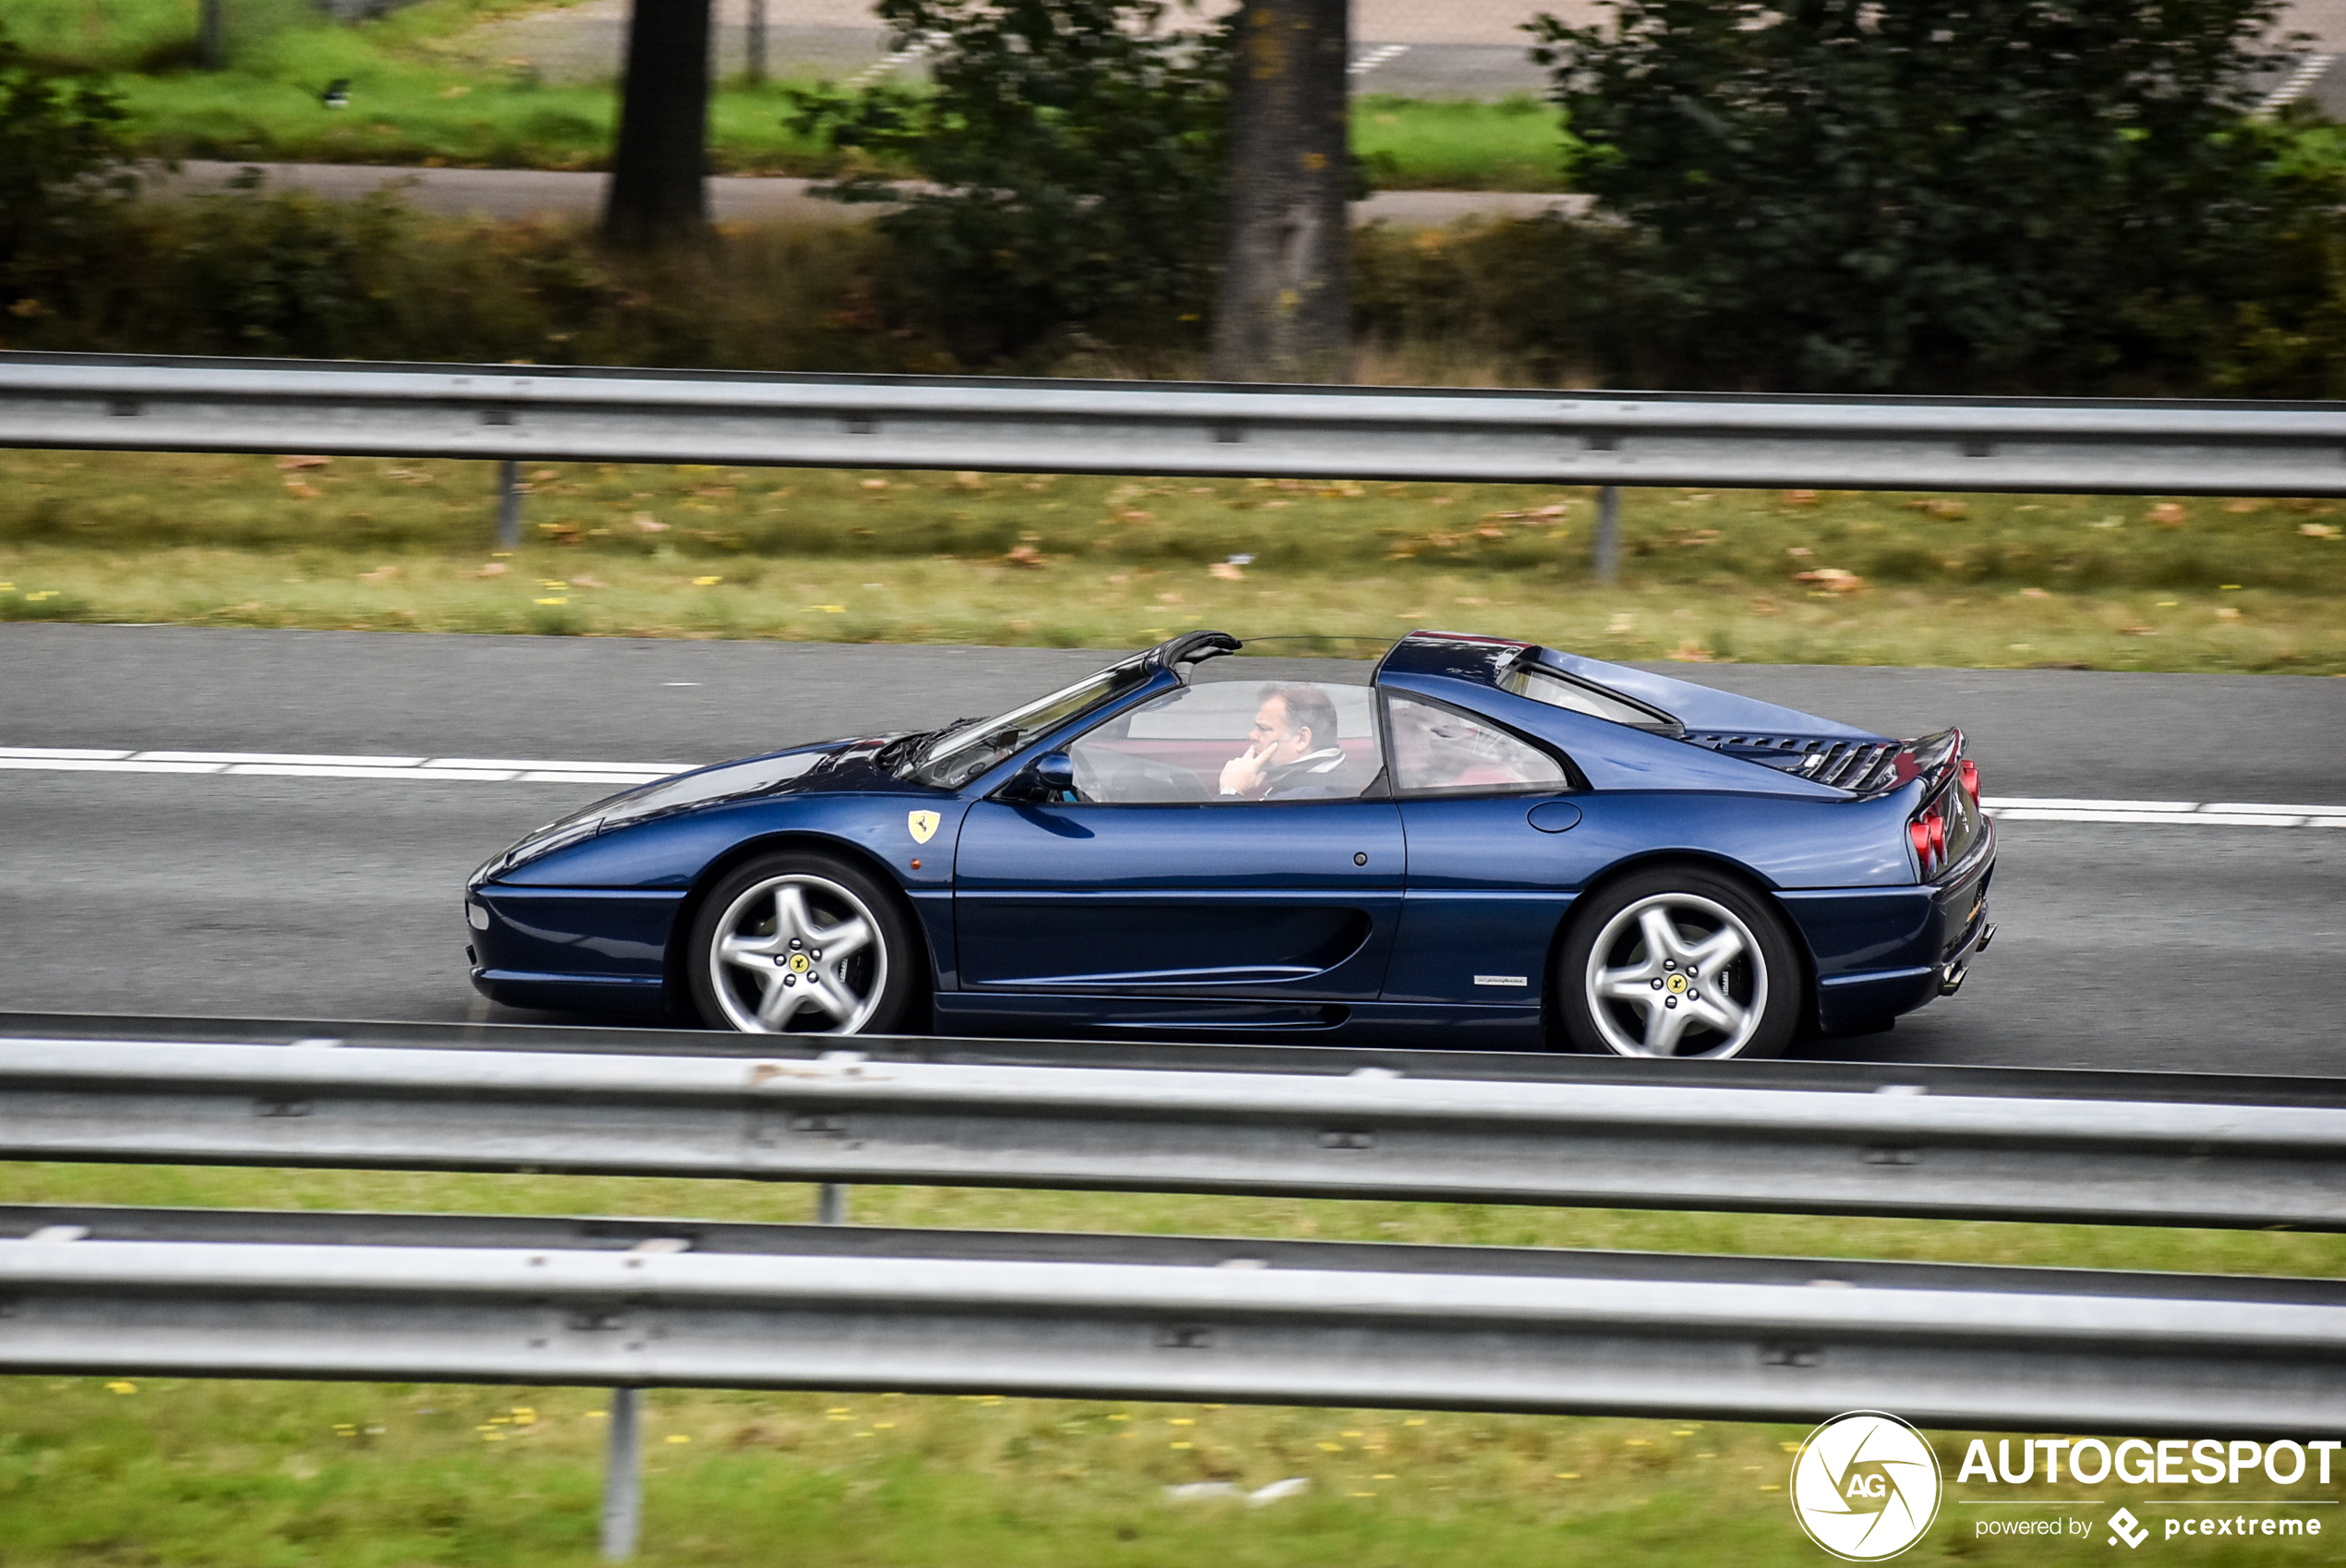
point(1292, 752)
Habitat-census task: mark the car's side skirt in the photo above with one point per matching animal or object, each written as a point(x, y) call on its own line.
point(1436, 1026)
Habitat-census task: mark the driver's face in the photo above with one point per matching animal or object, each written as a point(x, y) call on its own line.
point(1272, 735)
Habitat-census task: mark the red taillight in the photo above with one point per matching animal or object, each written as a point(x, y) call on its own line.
point(1971, 779)
point(1929, 835)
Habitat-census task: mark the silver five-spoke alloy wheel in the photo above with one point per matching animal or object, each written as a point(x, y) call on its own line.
point(1677, 974)
point(798, 953)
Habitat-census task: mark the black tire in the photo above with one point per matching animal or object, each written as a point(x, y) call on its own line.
point(778, 909)
point(1616, 996)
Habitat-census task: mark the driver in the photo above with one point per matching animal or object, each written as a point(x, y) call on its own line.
point(1291, 752)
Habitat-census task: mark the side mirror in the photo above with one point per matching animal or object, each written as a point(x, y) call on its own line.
point(1054, 775)
point(1048, 778)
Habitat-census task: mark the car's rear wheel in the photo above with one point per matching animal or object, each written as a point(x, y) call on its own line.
point(802, 944)
point(1679, 963)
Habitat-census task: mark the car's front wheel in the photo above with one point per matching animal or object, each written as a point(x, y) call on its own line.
point(1679, 961)
point(802, 944)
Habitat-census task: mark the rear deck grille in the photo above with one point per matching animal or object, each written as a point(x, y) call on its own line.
point(1860, 766)
point(1855, 765)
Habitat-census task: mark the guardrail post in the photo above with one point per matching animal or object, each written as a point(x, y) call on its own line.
point(830, 1204)
point(623, 1475)
point(1608, 551)
point(508, 504)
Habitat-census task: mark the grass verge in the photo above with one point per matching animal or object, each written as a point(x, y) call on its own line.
point(423, 89)
point(247, 1473)
point(612, 549)
point(425, 113)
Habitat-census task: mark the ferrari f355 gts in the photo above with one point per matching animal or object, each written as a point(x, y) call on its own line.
point(1486, 843)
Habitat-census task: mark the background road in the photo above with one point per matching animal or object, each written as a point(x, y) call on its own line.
point(2135, 946)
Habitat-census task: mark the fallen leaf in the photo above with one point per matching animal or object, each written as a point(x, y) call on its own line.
point(582, 581)
point(1766, 606)
point(2168, 515)
point(2226, 612)
point(300, 491)
point(1833, 580)
point(2034, 593)
point(1023, 555)
point(494, 569)
point(2317, 530)
point(1227, 572)
point(649, 524)
point(380, 574)
point(876, 484)
point(1691, 652)
point(1798, 497)
point(303, 462)
point(1800, 552)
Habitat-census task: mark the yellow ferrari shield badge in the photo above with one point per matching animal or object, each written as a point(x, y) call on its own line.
point(921, 825)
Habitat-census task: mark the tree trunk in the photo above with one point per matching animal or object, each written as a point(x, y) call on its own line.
point(211, 36)
point(1284, 307)
point(656, 171)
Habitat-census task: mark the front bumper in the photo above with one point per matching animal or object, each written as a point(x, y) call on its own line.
point(569, 949)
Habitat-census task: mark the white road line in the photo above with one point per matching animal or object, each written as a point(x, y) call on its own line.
point(634, 769)
point(2162, 814)
point(285, 758)
point(82, 765)
point(2064, 802)
point(302, 764)
point(63, 753)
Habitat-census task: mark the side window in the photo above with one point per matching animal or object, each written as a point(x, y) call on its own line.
point(1439, 750)
point(1232, 742)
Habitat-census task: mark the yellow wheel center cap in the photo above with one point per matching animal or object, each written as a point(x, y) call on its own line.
point(1678, 983)
point(798, 963)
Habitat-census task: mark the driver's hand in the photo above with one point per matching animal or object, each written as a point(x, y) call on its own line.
point(1243, 775)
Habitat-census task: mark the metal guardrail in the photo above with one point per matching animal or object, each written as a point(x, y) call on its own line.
point(543, 412)
point(1371, 1132)
point(452, 1298)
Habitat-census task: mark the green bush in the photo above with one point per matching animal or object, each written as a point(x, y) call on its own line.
point(61, 171)
point(1905, 195)
point(1073, 157)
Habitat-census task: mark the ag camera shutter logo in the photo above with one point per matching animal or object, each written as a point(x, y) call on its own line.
point(1865, 1486)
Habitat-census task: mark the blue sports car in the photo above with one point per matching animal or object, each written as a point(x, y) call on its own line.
point(1487, 843)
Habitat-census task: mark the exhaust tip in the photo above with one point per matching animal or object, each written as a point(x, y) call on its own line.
point(1985, 936)
point(1953, 982)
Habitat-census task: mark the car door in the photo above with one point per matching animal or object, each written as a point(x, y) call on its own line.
point(1498, 842)
point(1151, 887)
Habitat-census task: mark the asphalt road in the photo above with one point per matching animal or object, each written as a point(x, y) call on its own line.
point(2122, 946)
point(732, 199)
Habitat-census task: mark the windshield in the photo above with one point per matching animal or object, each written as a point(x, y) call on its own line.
point(961, 754)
